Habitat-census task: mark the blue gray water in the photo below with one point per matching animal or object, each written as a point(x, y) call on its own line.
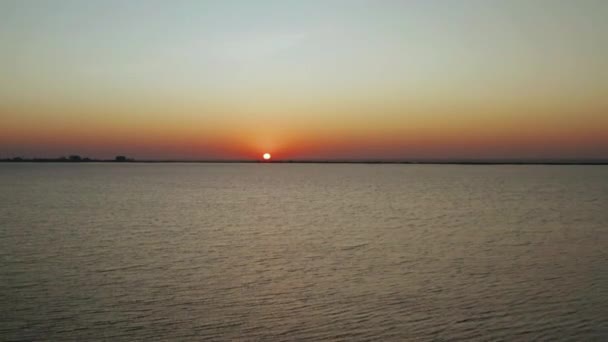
point(303, 252)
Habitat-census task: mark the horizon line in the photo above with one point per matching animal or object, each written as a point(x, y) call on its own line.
point(455, 161)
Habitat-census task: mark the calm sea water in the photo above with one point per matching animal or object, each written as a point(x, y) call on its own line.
point(303, 252)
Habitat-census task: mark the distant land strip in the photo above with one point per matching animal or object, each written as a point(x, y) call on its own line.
point(123, 159)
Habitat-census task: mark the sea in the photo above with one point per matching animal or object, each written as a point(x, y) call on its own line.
point(303, 252)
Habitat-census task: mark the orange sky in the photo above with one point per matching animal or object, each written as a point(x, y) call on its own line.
point(310, 80)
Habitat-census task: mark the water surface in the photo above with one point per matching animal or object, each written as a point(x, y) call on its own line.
point(303, 251)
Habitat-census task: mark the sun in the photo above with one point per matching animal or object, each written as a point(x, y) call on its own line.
point(267, 156)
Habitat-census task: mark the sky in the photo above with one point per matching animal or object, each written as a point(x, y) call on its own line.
point(304, 79)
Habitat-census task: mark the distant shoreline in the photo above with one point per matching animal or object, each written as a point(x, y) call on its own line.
point(388, 162)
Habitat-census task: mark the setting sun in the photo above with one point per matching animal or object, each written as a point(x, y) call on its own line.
point(267, 156)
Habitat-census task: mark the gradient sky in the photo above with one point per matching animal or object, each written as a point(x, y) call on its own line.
point(304, 79)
